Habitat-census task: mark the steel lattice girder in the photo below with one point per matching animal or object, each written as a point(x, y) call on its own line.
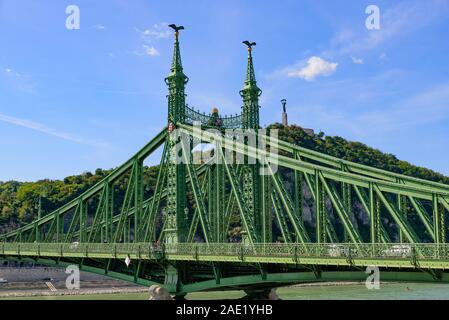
point(359, 168)
point(380, 186)
point(295, 164)
point(126, 213)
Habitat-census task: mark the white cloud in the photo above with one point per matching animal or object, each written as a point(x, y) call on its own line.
point(357, 60)
point(315, 67)
point(146, 51)
point(151, 51)
point(42, 128)
point(157, 31)
point(149, 36)
point(11, 72)
point(99, 27)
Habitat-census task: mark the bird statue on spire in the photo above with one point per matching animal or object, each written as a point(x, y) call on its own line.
point(176, 28)
point(249, 44)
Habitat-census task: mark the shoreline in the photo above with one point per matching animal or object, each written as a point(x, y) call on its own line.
point(67, 292)
point(126, 290)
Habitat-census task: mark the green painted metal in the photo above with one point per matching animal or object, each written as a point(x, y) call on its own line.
point(341, 210)
point(320, 233)
point(250, 94)
point(199, 200)
point(196, 216)
point(391, 255)
point(300, 232)
point(191, 197)
point(176, 199)
point(282, 223)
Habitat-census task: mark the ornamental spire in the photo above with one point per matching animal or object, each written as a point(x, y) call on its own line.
point(250, 93)
point(176, 82)
point(176, 67)
point(250, 81)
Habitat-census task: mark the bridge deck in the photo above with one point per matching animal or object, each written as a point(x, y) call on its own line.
point(426, 256)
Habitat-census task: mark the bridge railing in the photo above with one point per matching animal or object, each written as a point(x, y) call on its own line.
point(276, 250)
point(343, 250)
point(79, 249)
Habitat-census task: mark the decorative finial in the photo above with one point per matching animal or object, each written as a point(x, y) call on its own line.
point(284, 102)
point(249, 44)
point(176, 28)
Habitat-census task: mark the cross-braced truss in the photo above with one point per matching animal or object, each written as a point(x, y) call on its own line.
point(220, 224)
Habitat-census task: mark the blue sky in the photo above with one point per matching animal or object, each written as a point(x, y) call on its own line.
point(77, 100)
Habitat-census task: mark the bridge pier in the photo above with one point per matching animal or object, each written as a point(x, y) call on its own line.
point(181, 296)
point(261, 294)
point(159, 293)
point(172, 280)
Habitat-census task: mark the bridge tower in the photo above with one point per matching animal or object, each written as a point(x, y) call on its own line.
point(175, 210)
point(250, 121)
point(250, 94)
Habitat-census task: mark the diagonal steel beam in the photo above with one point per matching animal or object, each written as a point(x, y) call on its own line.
point(423, 215)
point(237, 190)
point(361, 194)
point(198, 195)
point(196, 218)
point(409, 233)
point(300, 231)
point(341, 210)
point(281, 219)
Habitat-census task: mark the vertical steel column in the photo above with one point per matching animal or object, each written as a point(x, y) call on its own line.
point(439, 223)
point(401, 202)
point(402, 208)
point(129, 230)
point(347, 201)
point(266, 219)
point(375, 223)
point(108, 211)
point(319, 210)
point(58, 226)
point(83, 220)
point(219, 203)
point(37, 232)
point(442, 224)
point(125, 230)
point(298, 193)
point(211, 201)
point(138, 198)
point(39, 216)
point(252, 194)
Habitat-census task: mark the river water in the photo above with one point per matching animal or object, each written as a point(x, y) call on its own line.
point(387, 291)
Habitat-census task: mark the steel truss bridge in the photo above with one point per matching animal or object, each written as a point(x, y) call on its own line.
point(180, 237)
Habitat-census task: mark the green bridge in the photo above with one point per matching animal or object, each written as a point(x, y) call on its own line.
point(179, 236)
